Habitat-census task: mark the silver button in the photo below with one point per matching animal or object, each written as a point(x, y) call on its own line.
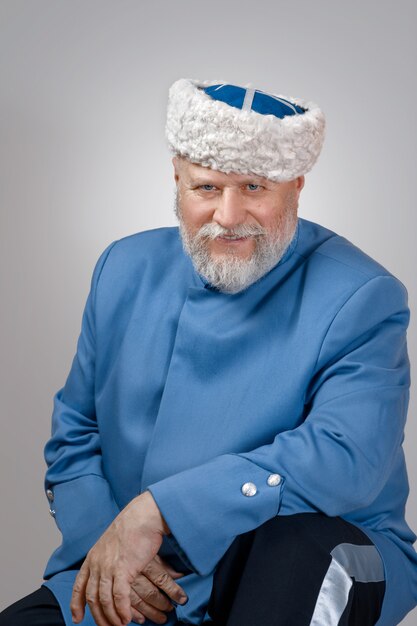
point(52, 512)
point(249, 489)
point(50, 495)
point(274, 480)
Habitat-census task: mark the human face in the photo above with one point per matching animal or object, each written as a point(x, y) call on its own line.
point(235, 227)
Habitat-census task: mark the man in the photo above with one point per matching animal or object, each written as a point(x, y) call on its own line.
point(227, 446)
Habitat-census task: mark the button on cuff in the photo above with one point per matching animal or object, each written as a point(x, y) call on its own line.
point(249, 489)
point(274, 480)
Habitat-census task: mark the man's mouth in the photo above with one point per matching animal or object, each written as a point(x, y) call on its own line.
point(231, 238)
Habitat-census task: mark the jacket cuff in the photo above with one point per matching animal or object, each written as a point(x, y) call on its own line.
point(206, 507)
point(83, 508)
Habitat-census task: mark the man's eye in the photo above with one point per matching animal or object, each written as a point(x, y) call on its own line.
point(253, 187)
point(207, 187)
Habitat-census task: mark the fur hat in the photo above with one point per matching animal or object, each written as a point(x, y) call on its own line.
point(243, 130)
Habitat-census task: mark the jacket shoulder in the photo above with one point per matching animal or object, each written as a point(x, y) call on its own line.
point(147, 248)
point(336, 270)
point(147, 242)
point(126, 261)
point(341, 257)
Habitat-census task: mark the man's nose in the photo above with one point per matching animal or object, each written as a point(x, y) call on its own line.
point(230, 210)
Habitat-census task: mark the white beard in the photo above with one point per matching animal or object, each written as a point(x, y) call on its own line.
point(228, 272)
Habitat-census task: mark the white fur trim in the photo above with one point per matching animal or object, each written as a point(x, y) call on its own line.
point(217, 135)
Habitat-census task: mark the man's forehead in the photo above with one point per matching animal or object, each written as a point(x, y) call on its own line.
point(196, 172)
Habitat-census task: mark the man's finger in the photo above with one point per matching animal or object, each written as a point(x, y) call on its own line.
point(146, 590)
point(171, 571)
point(155, 615)
point(160, 577)
point(78, 599)
point(93, 600)
point(137, 616)
point(121, 596)
point(108, 607)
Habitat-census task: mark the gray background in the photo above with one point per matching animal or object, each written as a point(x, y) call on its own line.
point(83, 88)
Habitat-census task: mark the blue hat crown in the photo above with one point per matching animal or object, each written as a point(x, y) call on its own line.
point(253, 100)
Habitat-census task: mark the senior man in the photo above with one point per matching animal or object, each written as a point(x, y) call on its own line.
point(227, 448)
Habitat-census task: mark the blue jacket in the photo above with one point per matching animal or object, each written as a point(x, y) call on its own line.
point(189, 392)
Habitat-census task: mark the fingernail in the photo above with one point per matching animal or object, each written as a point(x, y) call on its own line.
point(183, 599)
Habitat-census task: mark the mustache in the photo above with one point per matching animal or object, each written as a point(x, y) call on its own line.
point(213, 230)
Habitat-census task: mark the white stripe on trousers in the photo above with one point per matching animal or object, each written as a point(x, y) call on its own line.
point(333, 596)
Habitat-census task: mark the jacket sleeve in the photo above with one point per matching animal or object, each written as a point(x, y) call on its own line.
point(79, 495)
point(340, 457)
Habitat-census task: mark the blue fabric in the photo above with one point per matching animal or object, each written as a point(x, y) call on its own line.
point(263, 103)
point(189, 392)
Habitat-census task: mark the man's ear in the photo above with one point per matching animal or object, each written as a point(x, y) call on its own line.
point(176, 164)
point(300, 183)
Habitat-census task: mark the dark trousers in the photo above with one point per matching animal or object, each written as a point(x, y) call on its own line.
point(300, 570)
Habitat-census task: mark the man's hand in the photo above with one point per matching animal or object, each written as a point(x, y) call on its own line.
point(116, 560)
point(146, 598)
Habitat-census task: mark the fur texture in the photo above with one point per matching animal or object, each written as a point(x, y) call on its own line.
point(225, 138)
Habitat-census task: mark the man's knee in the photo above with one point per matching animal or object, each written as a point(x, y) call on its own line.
point(293, 561)
point(39, 608)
